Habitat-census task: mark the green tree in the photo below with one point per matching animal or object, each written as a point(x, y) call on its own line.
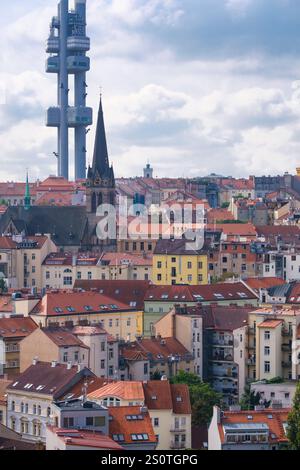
point(250, 400)
point(156, 375)
point(203, 397)
point(293, 431)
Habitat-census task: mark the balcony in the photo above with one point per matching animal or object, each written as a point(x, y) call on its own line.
point(52, 64)
point(251, 362)
point(286, 364)
point(179, 430)
point(287, 333)
point(178, 445)
point(286, 348)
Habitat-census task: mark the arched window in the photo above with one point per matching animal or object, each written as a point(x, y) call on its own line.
point(13, 406)
point(68, 271)
point(24, 426)
point(26, 408)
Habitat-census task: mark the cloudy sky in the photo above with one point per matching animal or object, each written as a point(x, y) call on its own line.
point(193, 86)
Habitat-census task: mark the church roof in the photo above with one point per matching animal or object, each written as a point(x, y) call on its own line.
point(66, 225)
point(100, 167)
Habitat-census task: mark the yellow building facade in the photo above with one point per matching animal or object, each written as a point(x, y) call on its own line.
point(171, 269)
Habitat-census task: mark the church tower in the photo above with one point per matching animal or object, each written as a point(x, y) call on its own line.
point(101, 187)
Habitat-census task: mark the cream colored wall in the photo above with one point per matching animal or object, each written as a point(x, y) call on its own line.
point(240, 356)
point(57, 274)
point(166, 425)
point(37, 344)
point(119, 326)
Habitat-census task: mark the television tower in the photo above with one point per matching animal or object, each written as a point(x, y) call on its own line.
point(67, 46)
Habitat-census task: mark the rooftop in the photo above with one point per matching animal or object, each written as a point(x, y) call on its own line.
point(131, 425)
point(82, 438)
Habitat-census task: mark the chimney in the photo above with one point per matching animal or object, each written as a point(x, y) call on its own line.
point(35, 361)
point(69, 365)
point(79, 367)
point(53, 363)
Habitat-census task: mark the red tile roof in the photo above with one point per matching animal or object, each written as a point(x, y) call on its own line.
point(256, 283)
point(161, 395)
point(57, 304)
point(8, 242)
point(47, 380)
point(123, 390)
point(119, 424)
point(270, 324)
point(80, 438)
point(62, 337)
point(276, 428)
point(128, 292)
point(204, 293)
point(15, 327)
point(162, 347)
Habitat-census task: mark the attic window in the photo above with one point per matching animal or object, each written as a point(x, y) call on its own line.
point(242, 294)
point(165, 296)
point(132, 304)
point(88, 308)
point(70, 309)
point(28, 386)
point(179, 399)
point(40, 387)
point(118, 437)
point(15, 384)
point(270, 416)
point(249, 417)
point(58, 310)
point(154, 397)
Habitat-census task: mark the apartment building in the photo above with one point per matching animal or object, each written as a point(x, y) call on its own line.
point(157, 355)
point(21, 260)
point(90, 346)
point(273, 343)
point(232, 257)
point(62, 270)
point(262, 429)
point(31, 395)
point(175, 263)
point(12, 331)
point(159, 300)
point(217, 336)
point(168, 405)
point(73, 308)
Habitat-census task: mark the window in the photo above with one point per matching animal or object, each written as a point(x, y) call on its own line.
point(156, 422)
point(159, 265)
point(103, 346)
point(47, 274)
point(267, 335)
point(267, 367)
point(159, 277)
point(267, 350)
point(99, 421)
point(33, 269)
point(146, 369)
point(68, 423)
point(189, 265)
point(13, 406)
point(110, 354)
point(79, 275)
point(68, 281)
point(39, 410)
point(102, 364)
point(89, 275)
point(76, 356)
point(65, 359)
point(190, 278)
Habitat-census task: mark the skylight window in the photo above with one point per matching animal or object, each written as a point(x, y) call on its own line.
point(58, 310)
point(88, 308)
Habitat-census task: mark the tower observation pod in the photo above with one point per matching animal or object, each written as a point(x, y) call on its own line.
point(67, 46)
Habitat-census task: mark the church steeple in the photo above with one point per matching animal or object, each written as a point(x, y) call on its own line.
point(101, 188)
point(27, 198)
point(100, 171)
